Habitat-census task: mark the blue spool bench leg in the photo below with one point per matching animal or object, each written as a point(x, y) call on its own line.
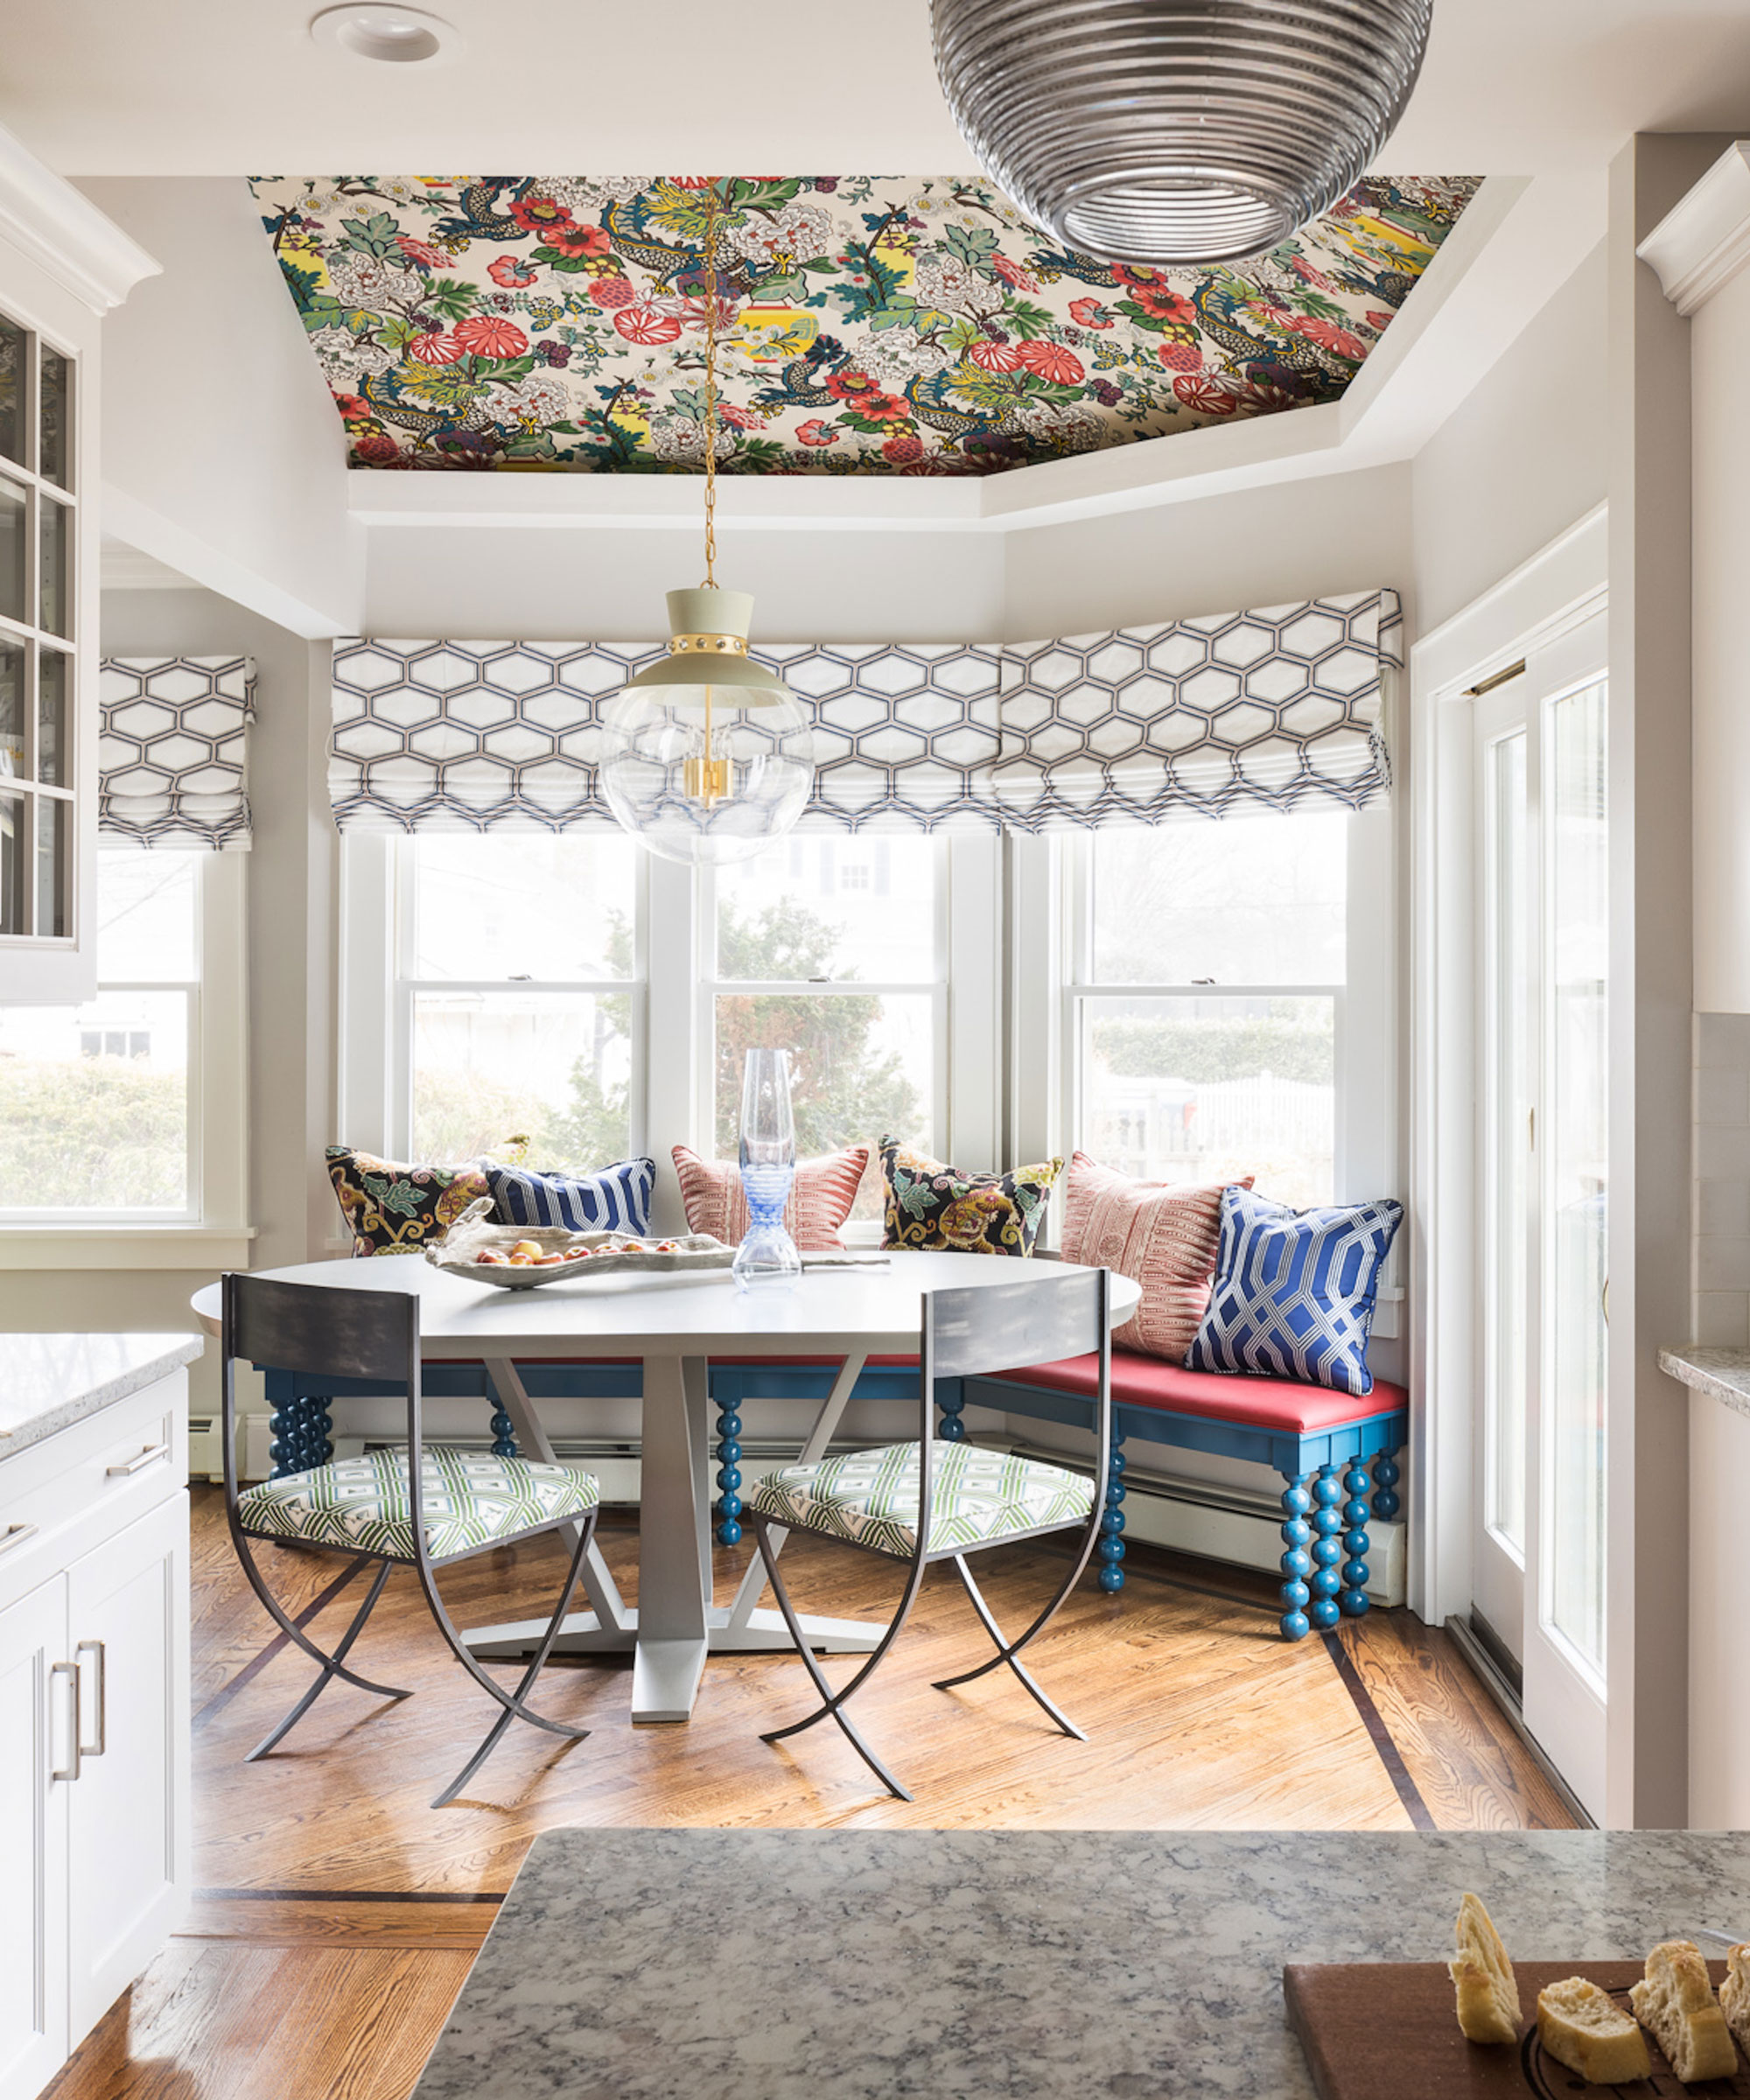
point(503, 1429)
point(1325, 1581)
point(299, 1423)
point(1297, 1559)
point(729, 1503)
point(1110, 1548)
point(1354, 1600)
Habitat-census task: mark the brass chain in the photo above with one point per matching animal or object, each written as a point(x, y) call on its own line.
point(711, 393)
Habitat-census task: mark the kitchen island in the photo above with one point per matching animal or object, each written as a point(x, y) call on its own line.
point(969, 1965)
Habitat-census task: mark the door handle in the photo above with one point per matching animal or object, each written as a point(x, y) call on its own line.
point(70, 1671)
point(150, 1456)
point(102, 1665)
point(15, 1535)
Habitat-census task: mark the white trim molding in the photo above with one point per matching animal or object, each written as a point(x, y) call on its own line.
point(64, 233)
point(1702, 243)
point(198, 1249)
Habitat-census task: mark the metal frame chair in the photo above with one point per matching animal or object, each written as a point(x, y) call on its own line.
point(969, 1333)
point(371, 1334)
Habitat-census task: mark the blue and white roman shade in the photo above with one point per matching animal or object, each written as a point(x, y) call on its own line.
point(1277, 709)
point(172, 751)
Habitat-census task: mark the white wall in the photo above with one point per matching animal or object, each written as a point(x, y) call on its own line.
point(290, 950)
point(1260, 547)
point(1520, 460)
point(223, 454)
point(607, 584)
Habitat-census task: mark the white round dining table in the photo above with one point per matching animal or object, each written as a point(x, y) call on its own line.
point(676, 1324)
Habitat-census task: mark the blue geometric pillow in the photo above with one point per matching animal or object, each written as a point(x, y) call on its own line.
point(614, 1199)
point(1294, 1290)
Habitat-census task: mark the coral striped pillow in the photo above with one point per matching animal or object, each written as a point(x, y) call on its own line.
point(1162, 1235)
point(821, 1197)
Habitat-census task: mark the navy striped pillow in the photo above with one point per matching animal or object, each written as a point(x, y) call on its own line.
point(613, 1199)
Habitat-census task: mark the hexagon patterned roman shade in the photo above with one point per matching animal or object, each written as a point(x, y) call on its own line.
point(172, 751)
point(1273, 709)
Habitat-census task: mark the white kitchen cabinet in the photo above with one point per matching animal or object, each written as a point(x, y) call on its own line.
point(94, 1720)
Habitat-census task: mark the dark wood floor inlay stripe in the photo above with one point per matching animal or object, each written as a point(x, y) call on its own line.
point(346, 1895)
point(1374, 1722)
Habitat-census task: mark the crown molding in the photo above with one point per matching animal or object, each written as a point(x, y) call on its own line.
point(64, 233)
point(1704, 242)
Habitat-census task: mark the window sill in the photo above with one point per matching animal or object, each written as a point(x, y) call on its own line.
point(133, 1246)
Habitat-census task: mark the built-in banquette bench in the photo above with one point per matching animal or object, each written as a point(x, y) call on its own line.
point(1335, 1453)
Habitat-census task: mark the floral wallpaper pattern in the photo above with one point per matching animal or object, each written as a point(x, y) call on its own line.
point(870, 324)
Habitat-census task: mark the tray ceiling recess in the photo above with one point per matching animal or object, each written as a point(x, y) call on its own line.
point(871, 324)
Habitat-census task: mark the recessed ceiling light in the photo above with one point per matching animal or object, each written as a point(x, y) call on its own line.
point(387, 34)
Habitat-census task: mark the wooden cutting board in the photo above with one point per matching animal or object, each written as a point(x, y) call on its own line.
point(1387, 2031)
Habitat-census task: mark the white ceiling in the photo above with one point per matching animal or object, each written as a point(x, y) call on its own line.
point(216, 88)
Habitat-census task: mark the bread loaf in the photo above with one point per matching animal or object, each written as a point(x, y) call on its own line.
point(1488, 1990)
point(1675, 2002)
point(1585, 2029)
point(1734, 1995)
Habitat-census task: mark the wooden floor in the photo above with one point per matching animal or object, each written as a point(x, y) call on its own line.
point(338, 1912)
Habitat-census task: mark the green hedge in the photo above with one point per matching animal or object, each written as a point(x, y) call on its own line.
point(1216, 1047)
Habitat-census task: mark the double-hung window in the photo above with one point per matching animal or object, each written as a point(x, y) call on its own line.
point(129, 1110)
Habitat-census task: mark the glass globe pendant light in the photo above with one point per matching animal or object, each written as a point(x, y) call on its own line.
point(706, 755)
point(1177, 132)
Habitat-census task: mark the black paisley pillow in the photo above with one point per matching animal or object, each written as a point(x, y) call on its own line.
point(936, 1207)
point(393, 1209)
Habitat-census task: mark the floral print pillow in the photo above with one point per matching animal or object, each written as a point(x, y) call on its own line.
point(937, 1208)
point(394, 1209)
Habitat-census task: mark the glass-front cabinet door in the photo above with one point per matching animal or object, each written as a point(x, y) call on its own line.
point(39, 671)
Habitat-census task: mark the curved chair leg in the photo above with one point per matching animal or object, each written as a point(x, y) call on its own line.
point(331, 1669)
point(833, 1702)
point(1005, 1653)
point(512, 1702)
point(296, 1633)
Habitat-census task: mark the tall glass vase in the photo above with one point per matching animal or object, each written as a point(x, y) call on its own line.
point(767, 1259)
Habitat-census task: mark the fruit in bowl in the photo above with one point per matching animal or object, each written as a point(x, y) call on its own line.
point(492, 1257)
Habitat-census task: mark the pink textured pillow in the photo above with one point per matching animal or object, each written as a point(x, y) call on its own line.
point(821, 1197)
point(1162, 1235)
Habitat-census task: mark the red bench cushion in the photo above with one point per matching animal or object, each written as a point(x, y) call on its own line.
point(1278, 1404)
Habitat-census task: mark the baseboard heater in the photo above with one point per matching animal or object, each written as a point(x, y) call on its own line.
point(1209, 1520)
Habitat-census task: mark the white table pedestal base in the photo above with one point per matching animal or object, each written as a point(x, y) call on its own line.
point(680, 1625)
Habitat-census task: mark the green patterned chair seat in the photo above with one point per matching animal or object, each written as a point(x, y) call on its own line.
point(870, 1497)
point(469, 1499)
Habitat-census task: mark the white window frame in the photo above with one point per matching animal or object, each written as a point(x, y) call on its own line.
point(214, 1230)
point(1051, 983)
point(673, 993)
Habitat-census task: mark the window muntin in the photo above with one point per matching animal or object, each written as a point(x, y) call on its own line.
point(519, 996)
point(1205, 1001)
point(95, 1099)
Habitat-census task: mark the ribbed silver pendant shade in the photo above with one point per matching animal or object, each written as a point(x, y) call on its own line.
point(1177, 131)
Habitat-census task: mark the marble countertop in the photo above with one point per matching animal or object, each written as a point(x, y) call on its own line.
point(992, 1964)
point(50, 1381)
point(1722, 1374)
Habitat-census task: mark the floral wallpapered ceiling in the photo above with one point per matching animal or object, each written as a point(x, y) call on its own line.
point(870, 324)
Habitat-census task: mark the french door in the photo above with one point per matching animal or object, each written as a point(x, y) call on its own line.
point(1538, 1557)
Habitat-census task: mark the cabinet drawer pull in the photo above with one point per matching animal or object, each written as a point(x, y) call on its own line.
point(94, 1649)
point(150, 1456)
point(15, 1535)
point(70, 1671)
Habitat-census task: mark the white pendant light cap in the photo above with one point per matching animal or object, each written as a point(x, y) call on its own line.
point(709, 611)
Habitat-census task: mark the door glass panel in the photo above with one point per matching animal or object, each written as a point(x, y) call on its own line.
point(51, 706)
point(12, 391)
point(12, 708)
point(57, 599)
point(14, 841)
point(56, 414)
point(555, 1067)
point(1509, 1079)
point(51, 867)
point(1214, 1089)
point(12, 520)
point(1237, 902)
point(1576, 1170)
